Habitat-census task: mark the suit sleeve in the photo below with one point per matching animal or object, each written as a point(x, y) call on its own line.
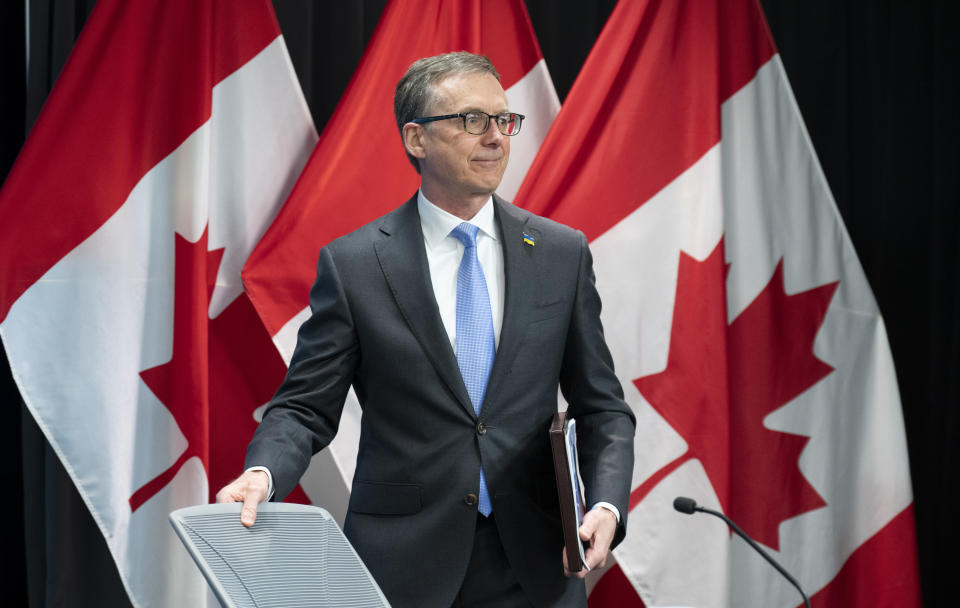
point(605, 424)
point(304, 414)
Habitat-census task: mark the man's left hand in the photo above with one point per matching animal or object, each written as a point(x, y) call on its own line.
point(598, 527)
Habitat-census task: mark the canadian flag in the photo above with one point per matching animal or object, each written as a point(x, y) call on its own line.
point(173, 136)
point(359, 171)
point(742, 326)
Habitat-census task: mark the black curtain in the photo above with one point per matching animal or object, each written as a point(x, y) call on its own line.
point(876, 89)
point(874, 82)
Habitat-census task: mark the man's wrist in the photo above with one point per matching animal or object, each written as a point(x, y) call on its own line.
point(608, 507)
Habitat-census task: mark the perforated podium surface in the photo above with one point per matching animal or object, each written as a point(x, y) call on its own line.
point(295, 555)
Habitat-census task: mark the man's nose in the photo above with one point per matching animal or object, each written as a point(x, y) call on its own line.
point(492, 136)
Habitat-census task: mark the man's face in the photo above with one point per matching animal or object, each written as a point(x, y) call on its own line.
point(458, 165)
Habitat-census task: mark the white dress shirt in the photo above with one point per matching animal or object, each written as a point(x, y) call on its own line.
point(443, 257)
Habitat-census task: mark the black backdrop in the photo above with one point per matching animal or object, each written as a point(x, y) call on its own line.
point(875, 84)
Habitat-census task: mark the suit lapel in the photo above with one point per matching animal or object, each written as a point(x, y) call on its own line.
point(403, 261)
point(519, 267)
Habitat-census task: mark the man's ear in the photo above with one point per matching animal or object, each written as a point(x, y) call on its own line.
point(413, 140)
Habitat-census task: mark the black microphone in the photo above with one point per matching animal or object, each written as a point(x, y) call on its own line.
point(689, 506)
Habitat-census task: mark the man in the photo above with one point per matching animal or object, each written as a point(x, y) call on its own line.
point(455, 317)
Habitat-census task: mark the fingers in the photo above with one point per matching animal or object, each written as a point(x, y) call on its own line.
point(592, 532)
point(587, 532)
point(598, 528)
point(226, 494)
point(582, 573)
point(251, 489)
point(589, 526)
point(595, 558)
point(248, 514)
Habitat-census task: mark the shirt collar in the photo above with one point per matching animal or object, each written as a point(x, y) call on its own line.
point(437, 223)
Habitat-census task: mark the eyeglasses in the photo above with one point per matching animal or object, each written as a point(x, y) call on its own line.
point(477, 123)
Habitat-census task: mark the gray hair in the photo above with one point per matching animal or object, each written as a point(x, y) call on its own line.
point(414, 92)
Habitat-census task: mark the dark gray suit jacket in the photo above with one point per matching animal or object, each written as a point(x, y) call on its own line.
point(376, 325)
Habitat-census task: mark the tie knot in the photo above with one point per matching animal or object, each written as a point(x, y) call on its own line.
point(466, 233)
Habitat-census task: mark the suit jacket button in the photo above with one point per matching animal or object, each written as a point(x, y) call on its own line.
point(481, 428)
point(470, 500)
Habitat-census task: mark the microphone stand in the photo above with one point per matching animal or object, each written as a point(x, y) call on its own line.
point(688, 506)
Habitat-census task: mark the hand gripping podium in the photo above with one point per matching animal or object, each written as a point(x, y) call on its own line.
point(295, 555)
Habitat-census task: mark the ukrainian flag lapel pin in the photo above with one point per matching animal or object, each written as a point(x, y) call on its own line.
point(528, 240)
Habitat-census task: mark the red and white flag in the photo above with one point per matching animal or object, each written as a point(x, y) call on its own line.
point(359, 171)
point(173, 136)
point(748, 341)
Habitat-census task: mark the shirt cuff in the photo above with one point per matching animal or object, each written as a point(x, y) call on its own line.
point(605, 505)
point(270, 486)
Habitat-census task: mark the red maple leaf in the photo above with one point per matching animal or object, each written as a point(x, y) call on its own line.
point(722, 380)
point(182, 384)
point(221, 370)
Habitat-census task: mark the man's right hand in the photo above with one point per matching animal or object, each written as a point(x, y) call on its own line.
point(251, 489)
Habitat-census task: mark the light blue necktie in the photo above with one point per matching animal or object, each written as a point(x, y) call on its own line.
point(476, 346)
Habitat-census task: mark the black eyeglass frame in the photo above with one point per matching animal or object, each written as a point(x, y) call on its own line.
point(463, 117)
